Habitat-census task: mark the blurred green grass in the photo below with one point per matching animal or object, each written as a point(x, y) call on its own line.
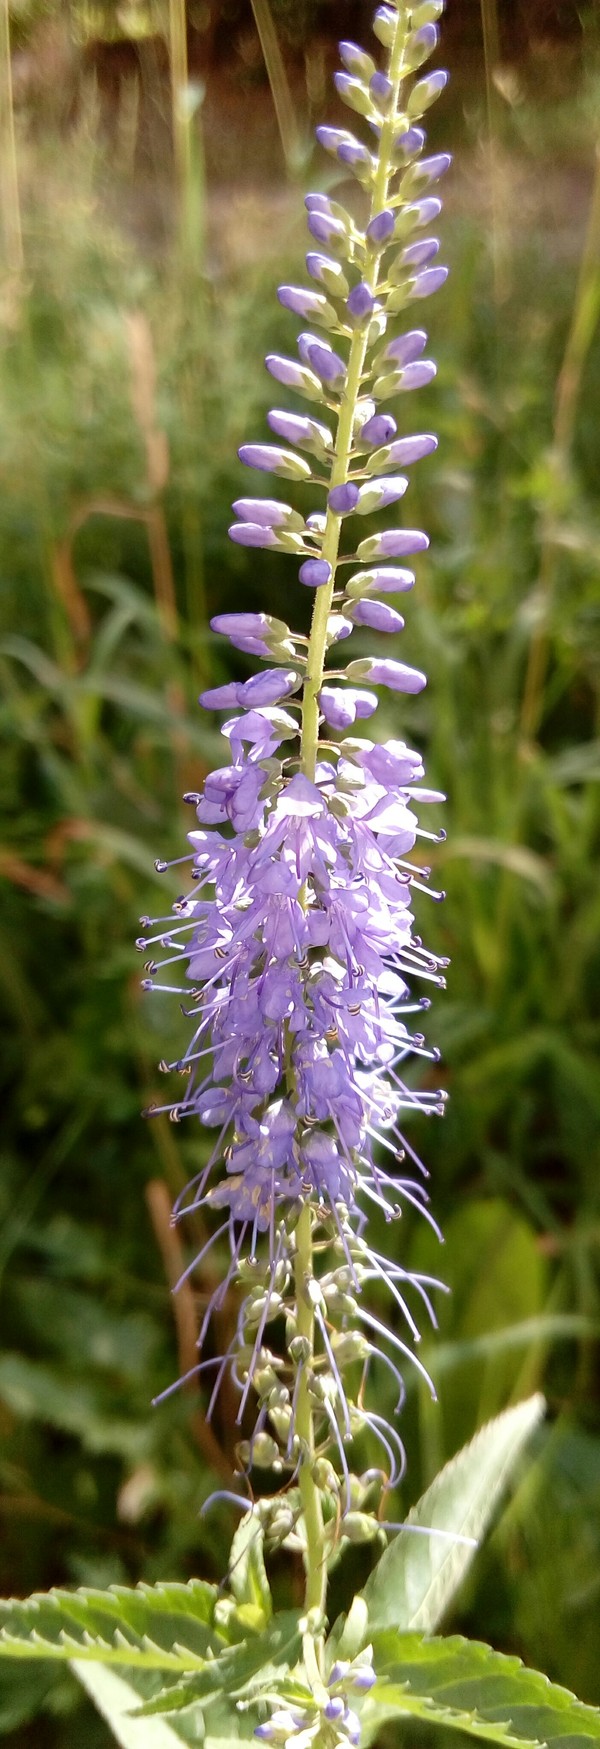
point(130, 370)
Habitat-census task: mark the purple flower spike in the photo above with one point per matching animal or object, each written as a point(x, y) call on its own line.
point(314, 573)
point(342, 499)
point(385, 672)
point(361, 302)
point(429, 281)
point(379, 429)
point(381, 227)
point(376, 614)
point(393, 543)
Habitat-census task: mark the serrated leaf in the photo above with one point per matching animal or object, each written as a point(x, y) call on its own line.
point(464, 1685)
point(239, 1671)
point(162, 1627)
point(418, 1575)
point(247, 1572)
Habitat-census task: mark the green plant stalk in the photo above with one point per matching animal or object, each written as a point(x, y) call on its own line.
point(315, 1561)
point(296, 148)
point(586, 311)
point(9, 182)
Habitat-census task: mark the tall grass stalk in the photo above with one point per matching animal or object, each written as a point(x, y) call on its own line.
point(584, 320)
point(12, 236)
point(295, 143)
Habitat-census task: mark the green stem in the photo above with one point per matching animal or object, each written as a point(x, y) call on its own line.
point(315, 1563)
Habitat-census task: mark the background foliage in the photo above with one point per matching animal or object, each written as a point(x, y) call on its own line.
point(142, 240)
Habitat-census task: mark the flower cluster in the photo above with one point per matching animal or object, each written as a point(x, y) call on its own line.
point(331, 1725)
point(297, 941)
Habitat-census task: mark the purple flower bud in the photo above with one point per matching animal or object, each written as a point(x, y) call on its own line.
point(335, 1708)
point(376, 614)
point(419, 254)
point(411, 142)
point(325, 229)
point(327, 273)
point(252, 534)
point(269, 687)
point(378, 429)
point(425, 211)
point(292, 375)
point(342, 705)
point(405, 450)
point(377, 494)
point(381, 227)
point(332, 138)
point(388, 579)
point(381, 89)
point(340, 1669)
point(364, 1679)
point(352, 153)
point(267, 511)
point(393, 543)
point(356, 60)
point(322, 359)
point(427, 282)
point(342, 499)
point(301, 301)
point(427, 38)
point(220, 698)
point(405, 348)
point(432, 168)
point(296, 429)
point(248, 625)
point(385, 672)
point(417, 375)
point(268, 459)
point(425, 91)
point(265, 1733)
point(351, 1726)
point(361, 301)
point(314, 573)
point(320, 203)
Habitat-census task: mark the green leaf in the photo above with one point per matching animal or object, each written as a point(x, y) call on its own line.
point(418, 1575)
point(465, 1685)
point(239, 1671)
point(247, 1572)
point(162, 1627)
point(115, 1699)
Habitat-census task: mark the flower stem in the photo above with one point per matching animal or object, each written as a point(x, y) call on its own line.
point(315, 1563)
